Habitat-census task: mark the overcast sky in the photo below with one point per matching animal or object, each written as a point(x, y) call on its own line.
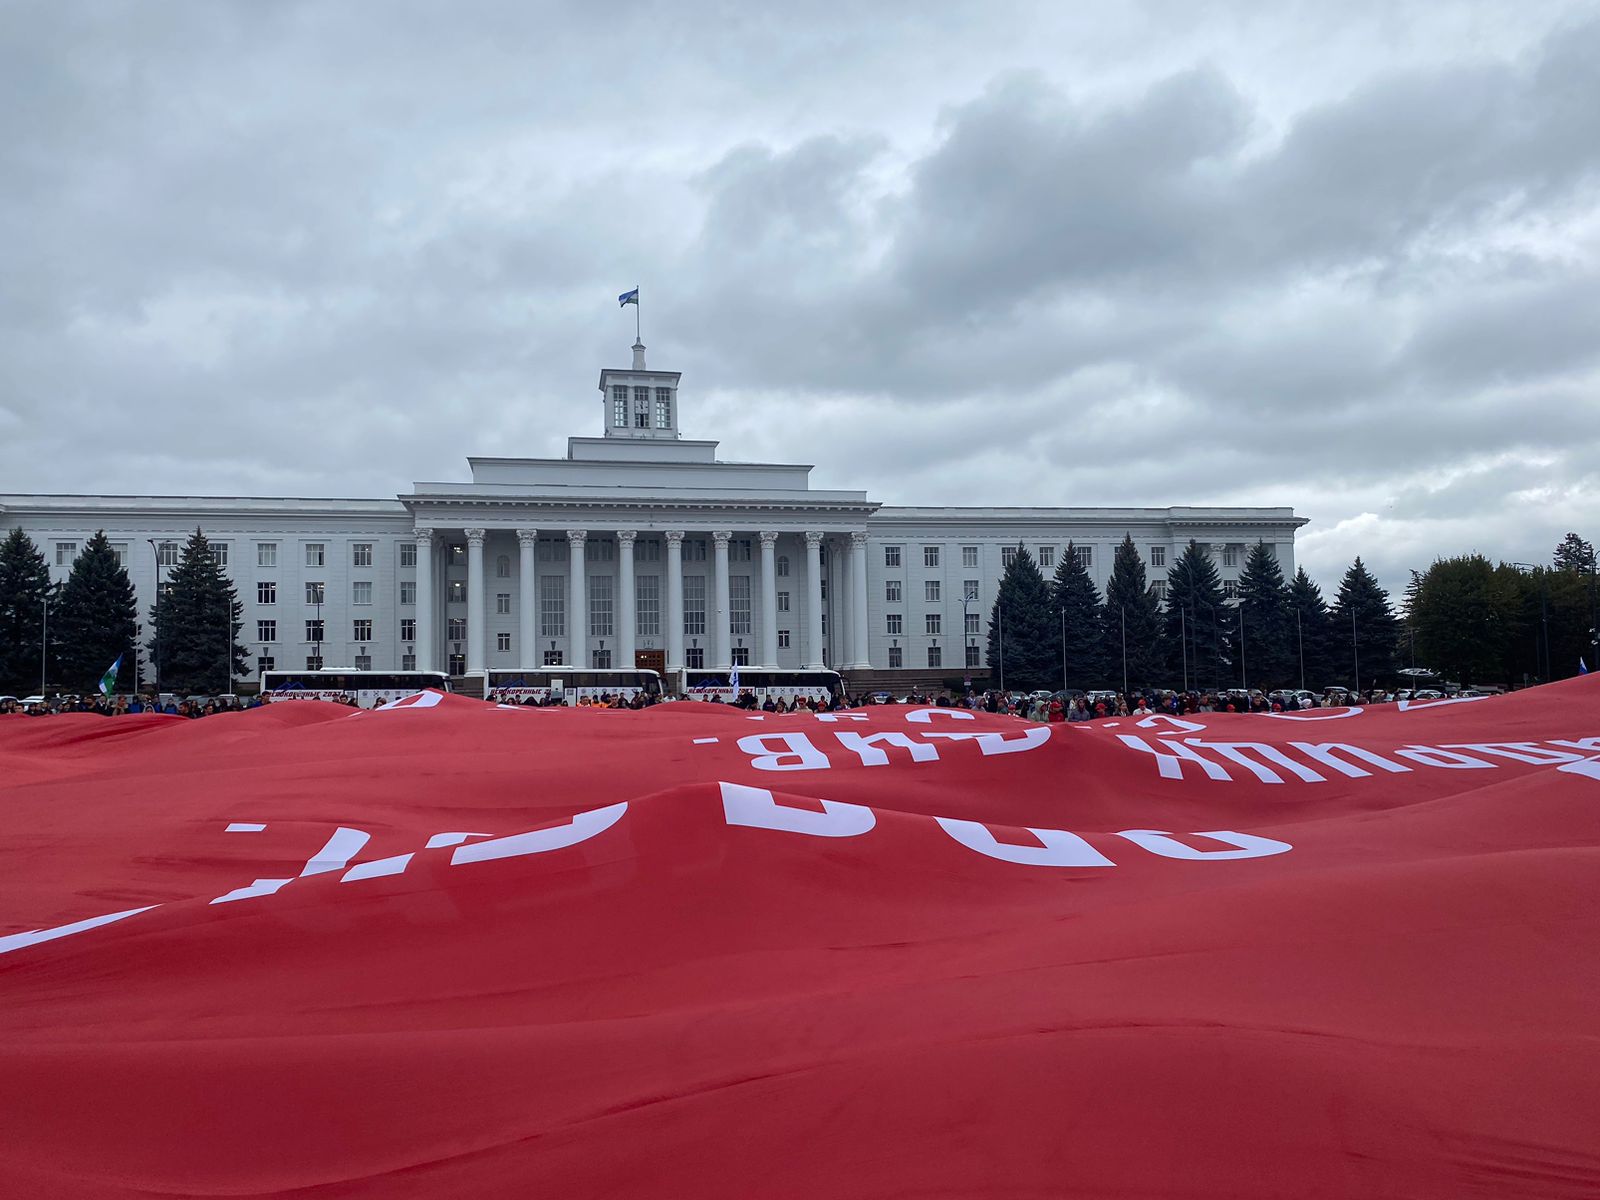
point(1344, 257)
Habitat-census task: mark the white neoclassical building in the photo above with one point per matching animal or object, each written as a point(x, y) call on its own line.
point(639, 547)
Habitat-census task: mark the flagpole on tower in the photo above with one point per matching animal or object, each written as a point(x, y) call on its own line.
point(638, 336)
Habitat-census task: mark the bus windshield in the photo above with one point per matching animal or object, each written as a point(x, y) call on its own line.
point(570, 685)
point(761, 683)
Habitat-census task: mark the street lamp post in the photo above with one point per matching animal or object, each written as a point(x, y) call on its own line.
point(44, 642)
point(156, 619)
point(1355, 648)
point(1183, 643)
point(1300, 644)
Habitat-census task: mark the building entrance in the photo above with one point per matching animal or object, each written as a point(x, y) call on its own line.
point(650, 660)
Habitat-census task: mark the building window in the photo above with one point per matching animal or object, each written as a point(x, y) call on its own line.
point(647, 605)
point(553, 549)
point(502, 642)
point(930, 556)
point(969, 557)
point(695, 658)
point(1008, 555)
point(783, 601)
point(361, 630)
point(741, 656)
point(935, 657)
point(1159, 588)
point(694, 549)
point(408, 592)
point(824, 624)
point(891, 556)
point(1230, 556)
point(313, 631)
point(739, 604)
point(663, 408)
point(783, 639)
point(316, 554)
point(266, 663)
point(600, 606)
point(1085, 556)
point(458, 553)
point(455, 591)
point(891, 591)
point(1230, 589)
point(502, 603)
point(1047, 556)
point(120, 549)
point(1158, 556)
point(167, 554)
point(408, 629)
point(694, 604)
point(619, 406)
point(408, 554)
point(641, 408)
point(316, 593)
point(266, 631)
point(361, 592)
point(363, 662)
point(931, 621)
point(896, 656)
point(458, 664)
point(647, 551)
point(930, 590)
point(266, 554)
point(822, 588)
point(456, 629)
point(598, 550)
point(502, 566)
point(969, 589)
point(219, 554)
point(313, 662)
point(65, 553)
point(972, 620)
point(783, 566)
point(892, 623)
point(739, 550)
point(600, 659)
point(972, 656)
point(408, 662)
point(360, 554)
point(552, 607)
point(266, 592)
point(552, 658)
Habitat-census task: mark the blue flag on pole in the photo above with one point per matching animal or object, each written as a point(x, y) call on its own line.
point(1583, 667)
point(109, 679)
point(628, 298)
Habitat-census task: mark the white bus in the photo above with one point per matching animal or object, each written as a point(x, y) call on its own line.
point(571, 684)
point(366, 688)
point(778, 684)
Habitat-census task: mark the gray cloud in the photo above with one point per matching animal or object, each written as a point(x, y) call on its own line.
point(984, 253)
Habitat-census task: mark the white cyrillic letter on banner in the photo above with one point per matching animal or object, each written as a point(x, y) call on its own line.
point(1167, 846)
point(755, 808)
point(1060, 849)
point(783, 752)
point(580, 829)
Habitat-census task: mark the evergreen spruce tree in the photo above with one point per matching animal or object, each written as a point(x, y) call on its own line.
point(196, 623)
point(1308, 619)
point(1131, 608)
point(1469, 618)
point(1574, 554)
point(1370, 635)
point(1405, 646)
point(98, 622)
point(1195, 611)
point(1022, 627)
point(1077, 607)
point(25, 588)
point(1268, 621)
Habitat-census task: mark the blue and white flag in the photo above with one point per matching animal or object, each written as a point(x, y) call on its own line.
point(733, 679)
point(1583, 667)
point(109, 679)
point(628, 298)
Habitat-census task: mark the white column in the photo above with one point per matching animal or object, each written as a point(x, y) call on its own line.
point(627, 626)
point(476, 608)
point(813, 659)
point(577, 599)
point(769, 599)
point(858, 598)
point(674, 599)
point(722, 637)
point(426, 637)
point(527, 596)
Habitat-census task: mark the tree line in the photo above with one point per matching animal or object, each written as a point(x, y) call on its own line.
point(1463, 618)
point(67, 636)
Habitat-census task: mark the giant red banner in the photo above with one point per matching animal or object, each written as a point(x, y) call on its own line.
point(455, 949)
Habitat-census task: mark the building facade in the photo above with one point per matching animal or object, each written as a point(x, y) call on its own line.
point(639, 547)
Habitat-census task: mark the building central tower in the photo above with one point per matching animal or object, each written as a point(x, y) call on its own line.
point(640, 404)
